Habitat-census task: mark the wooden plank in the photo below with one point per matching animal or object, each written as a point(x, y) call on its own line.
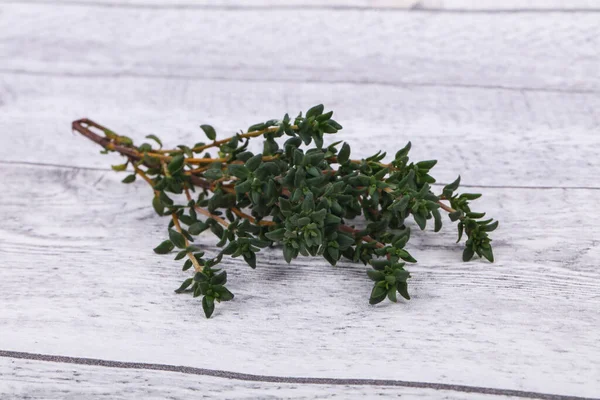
point(519, 51)
point(26, 379)
point(413, 5)
point(490, 137)
point(77, 278)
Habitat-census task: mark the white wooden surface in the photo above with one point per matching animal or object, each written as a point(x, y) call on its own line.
point(414, 5)
point(26, 379)
point(547, 51)
point(507, 100)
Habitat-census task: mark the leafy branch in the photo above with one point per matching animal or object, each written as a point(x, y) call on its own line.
point(297, 193)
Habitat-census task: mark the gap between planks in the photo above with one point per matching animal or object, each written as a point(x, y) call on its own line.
point(191, 77)
point(466, 185)
point(285, 379)
point(406, 7)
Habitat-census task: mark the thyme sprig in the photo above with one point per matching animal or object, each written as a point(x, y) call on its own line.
point(297, 193)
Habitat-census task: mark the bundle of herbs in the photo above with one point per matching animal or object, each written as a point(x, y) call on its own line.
point(296, 193)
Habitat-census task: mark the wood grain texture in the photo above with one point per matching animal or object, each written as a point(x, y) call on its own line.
point(506, 99)
point(522, 51)
point(25, 379)
point(413, 5)
point(73, 285)
point(489, 137)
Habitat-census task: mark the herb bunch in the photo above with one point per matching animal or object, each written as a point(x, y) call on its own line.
point(297, 193)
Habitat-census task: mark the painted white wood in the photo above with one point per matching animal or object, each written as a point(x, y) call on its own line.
point(78, 278)
point(489, 137)
point(24, 379)
point(504, 4)
point(522, 51)
point(77, 274)
point(437, 5)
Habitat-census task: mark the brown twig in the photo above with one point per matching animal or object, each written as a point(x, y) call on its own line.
point(143, 175)
point(205, 212)
point(226, 140)
point(190, 255)
point(446, 208)
point(82, 126)
point(366, 238)
point(250, 218)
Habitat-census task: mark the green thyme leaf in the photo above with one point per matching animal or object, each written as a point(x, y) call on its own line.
point(344, 154)
point(184, 285)
point(164, 248)
point(156, 139)
point(176, 164)
point(119, 167)
point(129, 178)
point(177, 238)
point(209, 131)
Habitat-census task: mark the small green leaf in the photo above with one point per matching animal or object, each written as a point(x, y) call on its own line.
point(200, 277)
point(470, 196)
point(468, 254)
point(315, 111)
point(379, 264)
point(401, 275)
point(288, 253)
point(308, 204)
point(375, 275)
point(488, 254)
point(332, 219)
point(461, 227)
point(391, 294)
point(437, 220)
point(276, 235)
point(164, 248)
point(125, 140)
point(491, 227)
point(156, 139)
point(239, 171)
point(257, 127)
point(334, 253)
point(254, 162)
point(145, 147)
point(184, 285)
point(403, 290)
point(158, 206)
point(129, 178)
point(405, 255)
point(165, 199)
point(119, 167)
point(426, 165)
point(197, 228)
point(455, 215)
point(250, 259)
point(451, 188)
point(186, 150)
point(243, 186)
point(209, 131)
point(208, 305)
point(177, 238)
point(176, 164)
point(225, 294)
point(180, 255)
point(344, 154)
point(475, 215)
point(403, 152)
point(377, 295)
point(187, 265)
point(219, 279)
point(420, 220)
point(345, 241)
